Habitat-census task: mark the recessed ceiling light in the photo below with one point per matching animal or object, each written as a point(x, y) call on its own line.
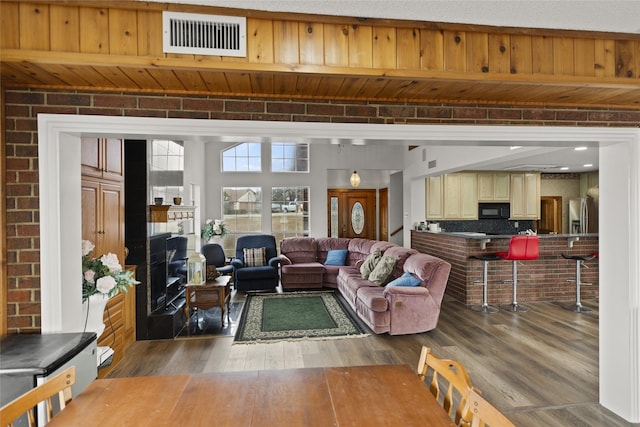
point(515, 147)
point(564, 168)
point(588, 165)
point(580, 148)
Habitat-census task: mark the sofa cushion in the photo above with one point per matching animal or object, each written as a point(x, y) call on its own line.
point(325, 244)
point(383, 270)
point(304, 275)
point(330, 277)
point(401, 254)
point(373, 298)
point(255, 257)
point(303, 268)
point(407, 279)
point(264, 272)
point(359, 249)
point(336, 257)
point(370, 263)
point(299, 249)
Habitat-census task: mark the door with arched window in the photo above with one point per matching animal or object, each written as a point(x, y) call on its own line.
point(352, 213)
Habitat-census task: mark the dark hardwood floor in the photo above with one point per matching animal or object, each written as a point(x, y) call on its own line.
point(540, 367)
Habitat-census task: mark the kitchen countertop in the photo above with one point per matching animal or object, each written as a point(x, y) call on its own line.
point(481, 235)
point(543, 279)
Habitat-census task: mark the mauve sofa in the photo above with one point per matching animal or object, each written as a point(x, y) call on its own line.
point(395, 309)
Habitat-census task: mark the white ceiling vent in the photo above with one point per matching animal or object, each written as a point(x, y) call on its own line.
point(204, 34)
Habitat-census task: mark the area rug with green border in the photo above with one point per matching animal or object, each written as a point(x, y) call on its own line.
point(294, 316)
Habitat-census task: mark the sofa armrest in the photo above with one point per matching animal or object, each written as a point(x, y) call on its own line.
point(274, 262)
point(284, 260)
point(411, 309)
point(237, 263)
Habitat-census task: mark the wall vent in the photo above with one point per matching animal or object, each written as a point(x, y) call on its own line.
point(432, 164)
point(204, 34)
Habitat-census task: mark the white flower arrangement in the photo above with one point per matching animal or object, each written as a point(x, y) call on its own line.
point(214, 228)
point(103, 275)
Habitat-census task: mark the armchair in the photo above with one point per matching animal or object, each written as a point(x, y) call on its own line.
point(256, 272)
point(214, 254)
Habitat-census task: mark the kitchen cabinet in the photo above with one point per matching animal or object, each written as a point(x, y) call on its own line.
point(434, 197)
point(102, 202)
point(460, 196)
point(102, 158)
point(493, 186)
point(103, 216)
point(525, 195)
point(452, 196)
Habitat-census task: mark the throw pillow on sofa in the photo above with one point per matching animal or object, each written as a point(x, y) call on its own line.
point(370, 263)
point(336, 257)
point(383, 270)
point(255, 257)
point(407, 279)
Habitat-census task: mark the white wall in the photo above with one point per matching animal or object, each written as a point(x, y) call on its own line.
point(396, 208)
point(330, 167)
point(620, 278)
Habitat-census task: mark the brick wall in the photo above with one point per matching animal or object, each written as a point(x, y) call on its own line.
point(22, 107)
point(543, 279)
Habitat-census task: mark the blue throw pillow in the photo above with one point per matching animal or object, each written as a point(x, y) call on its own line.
point(336, 257)
point(407, 279)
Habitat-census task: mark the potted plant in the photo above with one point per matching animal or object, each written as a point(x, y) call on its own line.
point(102, 278)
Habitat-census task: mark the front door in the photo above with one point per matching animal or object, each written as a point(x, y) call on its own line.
point(352, 213)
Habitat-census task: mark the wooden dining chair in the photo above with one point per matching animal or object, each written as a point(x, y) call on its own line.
point(483, 413)
point(58, 385)
point(449, 383)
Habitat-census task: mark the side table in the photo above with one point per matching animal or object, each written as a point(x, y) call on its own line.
point(213, 293)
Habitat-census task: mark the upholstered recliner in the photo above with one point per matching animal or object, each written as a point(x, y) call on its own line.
point(251, 270)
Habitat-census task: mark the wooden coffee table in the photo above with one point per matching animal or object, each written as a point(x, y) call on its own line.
point(213, 293)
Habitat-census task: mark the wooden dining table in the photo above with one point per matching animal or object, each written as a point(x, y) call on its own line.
point(380, 395)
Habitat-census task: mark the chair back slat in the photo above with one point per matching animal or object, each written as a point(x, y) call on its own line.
point(484, 413)
point(449, 383)
point(59, 385)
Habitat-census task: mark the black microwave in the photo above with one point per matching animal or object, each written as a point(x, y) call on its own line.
point(493, 211)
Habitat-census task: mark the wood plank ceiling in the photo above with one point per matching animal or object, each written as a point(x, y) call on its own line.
point(87, 47)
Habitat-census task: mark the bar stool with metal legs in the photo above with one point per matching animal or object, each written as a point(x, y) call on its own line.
point(579, 259)
point(485, 307)
point(521, 248)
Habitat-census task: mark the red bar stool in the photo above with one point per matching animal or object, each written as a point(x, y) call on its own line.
point(579, 259)
point(485, 307)
point(521, 248)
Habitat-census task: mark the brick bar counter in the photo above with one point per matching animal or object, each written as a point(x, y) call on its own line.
point(544, 279)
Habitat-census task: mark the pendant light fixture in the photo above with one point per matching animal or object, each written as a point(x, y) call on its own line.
point(355, 179)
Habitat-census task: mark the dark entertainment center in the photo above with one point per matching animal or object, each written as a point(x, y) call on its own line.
point(160, 295)
point(166, 292)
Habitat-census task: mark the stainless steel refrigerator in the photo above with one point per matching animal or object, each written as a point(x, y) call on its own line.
point(583, 215)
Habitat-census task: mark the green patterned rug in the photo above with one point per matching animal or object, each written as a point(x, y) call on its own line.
point(295, 316)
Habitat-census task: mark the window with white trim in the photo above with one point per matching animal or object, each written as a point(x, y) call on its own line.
point(244, 157)
point(289, 212)
point(289, 157)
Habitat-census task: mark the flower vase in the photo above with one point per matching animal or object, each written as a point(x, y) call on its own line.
point(93, 313)
point(216, 239)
